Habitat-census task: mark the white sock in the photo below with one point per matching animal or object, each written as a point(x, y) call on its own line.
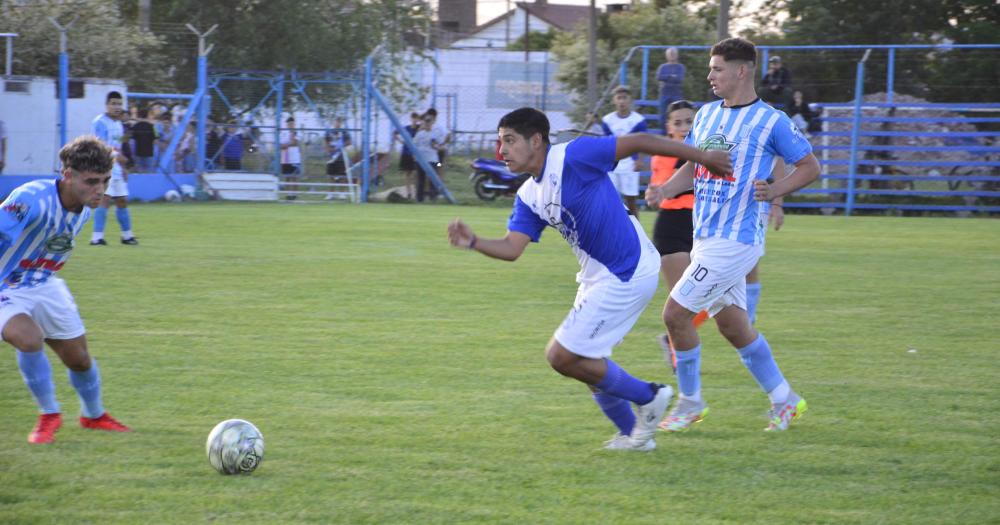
point(696, 398)
point(127, 234)
point(97, 236)
point(780, 393)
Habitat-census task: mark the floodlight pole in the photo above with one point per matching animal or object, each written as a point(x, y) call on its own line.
point(202, 86)
point(859, 95)
point(63, 77)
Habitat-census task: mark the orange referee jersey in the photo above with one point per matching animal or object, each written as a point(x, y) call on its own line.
point(663, 168)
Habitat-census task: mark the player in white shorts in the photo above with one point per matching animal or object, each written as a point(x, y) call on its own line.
point(38, 222)
point(570, 191)
point(730, 220)
point(620, 122)
point(108, 127)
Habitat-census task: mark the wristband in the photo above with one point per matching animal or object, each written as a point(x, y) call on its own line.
point(472, 244)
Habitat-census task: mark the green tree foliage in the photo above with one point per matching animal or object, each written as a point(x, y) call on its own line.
point(537, 41)
point(98, 43)
point(958, 75)
point(645, 24)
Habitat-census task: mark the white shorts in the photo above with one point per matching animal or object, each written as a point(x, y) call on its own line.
point(716, 277)
point(603, 312)
point(51, 306)
point(626, 182)
point(117, 188)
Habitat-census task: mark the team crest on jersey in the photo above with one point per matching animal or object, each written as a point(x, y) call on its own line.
point(717, 142)
point(61, 243)
point(18, 209)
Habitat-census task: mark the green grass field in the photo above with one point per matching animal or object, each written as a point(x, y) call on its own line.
point(397, 380)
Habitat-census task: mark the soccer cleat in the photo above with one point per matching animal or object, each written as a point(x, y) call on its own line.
point(624, 442)
point(105, 422)
point(684, 414)
point(131, 241)
point(99, 242)
point(782, 414)
point(45, 430)
point(648, 415)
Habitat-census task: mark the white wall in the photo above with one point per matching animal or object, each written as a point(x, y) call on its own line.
point(32, 121)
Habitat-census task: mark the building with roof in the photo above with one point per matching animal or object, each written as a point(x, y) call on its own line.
point(540, 16)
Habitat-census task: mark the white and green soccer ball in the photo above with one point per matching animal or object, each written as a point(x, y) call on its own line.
point(235, 446)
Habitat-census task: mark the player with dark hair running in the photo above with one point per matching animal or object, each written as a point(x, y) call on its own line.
point(570, 190)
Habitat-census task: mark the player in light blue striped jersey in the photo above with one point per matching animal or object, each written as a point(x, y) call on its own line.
point(38, 223)
point(108, 127)
point(730, 220)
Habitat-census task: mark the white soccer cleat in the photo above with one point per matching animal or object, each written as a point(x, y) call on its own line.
point(623, 442)
point(649, 415)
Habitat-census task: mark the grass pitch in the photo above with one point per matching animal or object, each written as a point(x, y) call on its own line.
point(397, 380)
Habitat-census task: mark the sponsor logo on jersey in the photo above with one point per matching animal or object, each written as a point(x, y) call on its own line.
point(61, 243)
point(18, 209)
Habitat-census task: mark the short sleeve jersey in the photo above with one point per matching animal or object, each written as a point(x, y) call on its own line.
point(110, 131)
point(574, 195)
point(755, 135)
point(36, 234)
point(612, 124)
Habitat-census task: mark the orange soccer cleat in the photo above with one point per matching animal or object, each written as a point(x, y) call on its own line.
point(45, 430)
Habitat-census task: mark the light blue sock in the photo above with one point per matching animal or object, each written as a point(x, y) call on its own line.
point(124, 219)
point(689, 371)
point(753, 297)
point(757, 358)
point(619, 383)
point(618, 410)
point(100, 218)
point(37, 374)
point(88, 388)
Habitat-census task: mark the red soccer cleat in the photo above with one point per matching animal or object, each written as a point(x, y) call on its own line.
point(45, 430)
point(105, 422)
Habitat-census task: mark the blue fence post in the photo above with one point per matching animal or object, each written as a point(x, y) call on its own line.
point(645, 71)
point(202, 111)
point(63, 95)
point(623, 74)
point(859, 88)
point(890, 75)
point(278, 84)
point(366, 125)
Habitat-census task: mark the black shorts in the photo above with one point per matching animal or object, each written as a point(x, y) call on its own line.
point(673, 231)
point(406, 162)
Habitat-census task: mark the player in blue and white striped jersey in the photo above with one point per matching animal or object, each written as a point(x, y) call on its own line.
point(730, 219)
point(570, 191)
point(621, 122)
point(38, 223)
point(108, 127)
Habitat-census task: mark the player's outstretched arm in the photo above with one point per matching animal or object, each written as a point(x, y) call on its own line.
point(508, 248)
point(718, 162)
point(805, 172)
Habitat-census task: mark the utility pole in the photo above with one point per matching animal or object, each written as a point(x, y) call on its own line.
point(592, 57)
point(63, 77)
point(723, 20)
point(506, 41)
point(10, 52)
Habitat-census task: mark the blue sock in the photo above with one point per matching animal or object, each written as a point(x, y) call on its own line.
point(100, 217)
point(689, 371)
point(619, 383)
point(37, 374)
point(88, 387)
point(753, 297)
point(124, 219)
point(618, 410)
point(757, 358)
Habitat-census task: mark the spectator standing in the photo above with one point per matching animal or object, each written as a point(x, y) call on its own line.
point(441, 135)
point(406, 162)
point(232, 147)
point(291, 155)
point(776, 83)
point(336, 141)
point(213, 144)
point(144, 138)
point(186, 148)
point(670, 75)
point(426, 142)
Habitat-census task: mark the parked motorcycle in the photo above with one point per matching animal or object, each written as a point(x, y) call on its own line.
point(491, 179)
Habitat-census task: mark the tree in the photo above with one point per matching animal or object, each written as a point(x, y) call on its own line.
point(537, 41)
point(98, 44)
point(646, 24)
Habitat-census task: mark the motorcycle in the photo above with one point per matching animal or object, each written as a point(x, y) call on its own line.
point(492, 179)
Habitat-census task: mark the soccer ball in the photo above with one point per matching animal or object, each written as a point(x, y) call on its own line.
point(235, 446)
point(172, 196)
